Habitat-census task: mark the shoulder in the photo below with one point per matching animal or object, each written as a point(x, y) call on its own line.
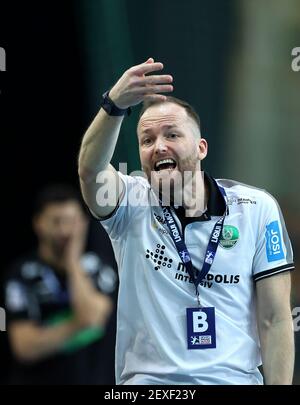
point(91, 263)
point(24, 269)
point(244, 194)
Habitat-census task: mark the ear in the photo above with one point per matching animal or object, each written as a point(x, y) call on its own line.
point(202, 148)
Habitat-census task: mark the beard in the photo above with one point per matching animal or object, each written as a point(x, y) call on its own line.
point(175, 186)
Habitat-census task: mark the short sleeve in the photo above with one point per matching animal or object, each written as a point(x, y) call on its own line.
point(273, 248)
point(135, 196)
point(17, 301)
point(103, 276)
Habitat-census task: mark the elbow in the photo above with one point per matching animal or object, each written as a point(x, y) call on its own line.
point(98, 317)
point(268, 322)
point(22, 343)
point(100, 312)
point(24, 354)
point(105, 310)
point(85, 174)
point(265, 323)
point(93, 321)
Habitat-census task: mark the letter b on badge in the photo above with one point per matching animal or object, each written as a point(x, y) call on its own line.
point(199, 321)
point(201, 332)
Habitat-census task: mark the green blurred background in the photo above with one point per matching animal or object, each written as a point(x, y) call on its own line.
point(231, 59)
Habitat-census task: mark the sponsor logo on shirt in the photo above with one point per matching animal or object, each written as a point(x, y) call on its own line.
point(209, 280)
point(240, 200)
point(161, 221)
point(273, 242)
point(161, 261)
point(230, 236)
point(159, 258)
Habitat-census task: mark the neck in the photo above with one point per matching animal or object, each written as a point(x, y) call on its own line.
point(196, 194)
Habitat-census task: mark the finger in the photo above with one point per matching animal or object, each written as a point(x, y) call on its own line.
point(150, 60)
point(164, 88)
point(155, 97)
point(156, 79)
point(145, 68)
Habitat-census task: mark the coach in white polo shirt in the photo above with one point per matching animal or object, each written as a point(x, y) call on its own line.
point(204, 285)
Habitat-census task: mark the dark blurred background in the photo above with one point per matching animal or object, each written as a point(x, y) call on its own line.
point(231, 59)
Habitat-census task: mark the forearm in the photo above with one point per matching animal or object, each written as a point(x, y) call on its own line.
point(278, 352)
point(134, 86)
point(31, 343)
point(90, 306)
point(98, 145)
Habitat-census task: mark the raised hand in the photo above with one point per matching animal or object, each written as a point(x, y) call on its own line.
point(76, 242)
point(134, 85)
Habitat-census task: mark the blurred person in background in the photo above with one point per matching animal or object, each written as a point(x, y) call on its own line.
point(59, 299)
point(204, 289)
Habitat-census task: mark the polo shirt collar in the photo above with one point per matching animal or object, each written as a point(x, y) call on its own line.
point(216, 205)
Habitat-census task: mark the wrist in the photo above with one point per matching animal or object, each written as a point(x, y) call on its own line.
point(111, 107)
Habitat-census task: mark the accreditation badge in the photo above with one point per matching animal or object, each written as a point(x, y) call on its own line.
point(201, 328)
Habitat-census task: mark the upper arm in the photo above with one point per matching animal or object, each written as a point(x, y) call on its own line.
point(273, 299)
point(103, 193)
point(273, 254)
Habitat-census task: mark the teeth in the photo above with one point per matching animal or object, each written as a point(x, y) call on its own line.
point(161, 162)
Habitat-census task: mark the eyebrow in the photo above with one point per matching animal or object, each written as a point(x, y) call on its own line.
point(166, 126)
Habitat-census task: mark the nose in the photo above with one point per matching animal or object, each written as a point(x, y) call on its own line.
point(160, 147)
point(64, 230)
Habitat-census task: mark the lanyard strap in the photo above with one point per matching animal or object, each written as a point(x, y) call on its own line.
point(183, 252)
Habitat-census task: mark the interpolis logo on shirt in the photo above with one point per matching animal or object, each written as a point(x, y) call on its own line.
point(162, 262)
point(209, 280)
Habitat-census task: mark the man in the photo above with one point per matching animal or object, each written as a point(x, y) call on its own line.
point(204, 279)
point(58, 300)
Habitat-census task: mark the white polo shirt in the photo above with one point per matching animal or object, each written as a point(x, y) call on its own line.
point(155, 287)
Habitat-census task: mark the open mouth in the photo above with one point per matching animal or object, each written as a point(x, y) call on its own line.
point(165, 164)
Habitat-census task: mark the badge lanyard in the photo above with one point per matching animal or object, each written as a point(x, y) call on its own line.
point(183, 251)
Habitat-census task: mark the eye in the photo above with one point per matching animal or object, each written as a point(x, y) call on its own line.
point(172, 135)
point(146, 141)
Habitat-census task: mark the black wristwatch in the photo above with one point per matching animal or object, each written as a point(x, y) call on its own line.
point(110, 107)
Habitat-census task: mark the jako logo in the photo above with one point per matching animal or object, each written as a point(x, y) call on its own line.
point(2, 320)
point(273, 242)
point(296, 61)
point(2, 60)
